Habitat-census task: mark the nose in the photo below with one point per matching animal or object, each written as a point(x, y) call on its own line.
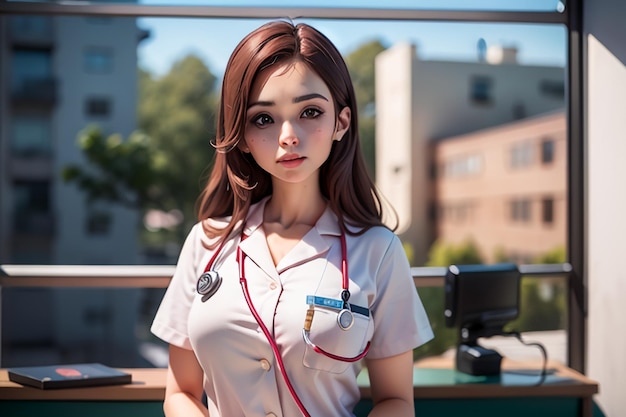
point(288, 135)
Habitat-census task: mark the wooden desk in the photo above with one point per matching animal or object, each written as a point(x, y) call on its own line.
point(438, 389)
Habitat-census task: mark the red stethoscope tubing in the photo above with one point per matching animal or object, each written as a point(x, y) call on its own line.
point(266, 332)
point(244, 285)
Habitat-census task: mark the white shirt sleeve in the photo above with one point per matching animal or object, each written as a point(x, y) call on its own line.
point(400, 320)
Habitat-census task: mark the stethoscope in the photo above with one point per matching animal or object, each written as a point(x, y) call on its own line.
point(210, 281)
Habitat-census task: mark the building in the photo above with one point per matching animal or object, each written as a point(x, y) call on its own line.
point(419, 102)
point(504, 188)
point(60, 74)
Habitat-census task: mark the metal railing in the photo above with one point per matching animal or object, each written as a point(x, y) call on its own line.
point(158, 276)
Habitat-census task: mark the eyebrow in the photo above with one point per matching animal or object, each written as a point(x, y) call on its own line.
point(298, 99)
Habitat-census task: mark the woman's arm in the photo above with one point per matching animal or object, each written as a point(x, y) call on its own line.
point(391, 382)
point(183, 388)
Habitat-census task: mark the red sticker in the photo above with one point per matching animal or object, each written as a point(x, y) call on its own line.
point(67, 372)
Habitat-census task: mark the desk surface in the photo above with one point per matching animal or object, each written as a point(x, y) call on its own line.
point(432, 378)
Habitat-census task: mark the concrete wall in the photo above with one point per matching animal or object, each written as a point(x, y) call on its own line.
point(606, 199)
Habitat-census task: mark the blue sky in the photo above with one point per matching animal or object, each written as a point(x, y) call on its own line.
point(214, 39)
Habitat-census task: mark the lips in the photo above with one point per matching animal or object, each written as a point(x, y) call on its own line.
point(289, 157)
point(291, 160)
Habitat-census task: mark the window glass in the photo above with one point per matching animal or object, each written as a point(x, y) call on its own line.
point(547, 151)
point(32, 196)
point(31, 135)
point(481, 92)
point(29, 66)
point(98, 106)
point(98, 59)
point(521, 154)
point(547, 210)
point(158, 103)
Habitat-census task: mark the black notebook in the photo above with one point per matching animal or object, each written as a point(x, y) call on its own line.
point(68, 376)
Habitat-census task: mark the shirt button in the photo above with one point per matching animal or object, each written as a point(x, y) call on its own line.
point(273, 286)
point(265, 364)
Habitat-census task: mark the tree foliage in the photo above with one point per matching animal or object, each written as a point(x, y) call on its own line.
point(120, 171)
point(178, 113)
point(361, 65)
point(543, 303)
point(161, 166)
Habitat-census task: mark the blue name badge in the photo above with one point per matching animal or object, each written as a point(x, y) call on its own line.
point(335, 304)
point(324, 302)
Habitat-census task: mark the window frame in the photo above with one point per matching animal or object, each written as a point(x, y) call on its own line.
point(571, 18)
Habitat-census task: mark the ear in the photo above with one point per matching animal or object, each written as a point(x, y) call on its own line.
point(343, 123)
point(243, 146)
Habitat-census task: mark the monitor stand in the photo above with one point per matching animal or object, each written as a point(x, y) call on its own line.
point(474, 359)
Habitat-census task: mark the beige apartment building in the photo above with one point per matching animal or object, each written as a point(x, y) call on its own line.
point(420, 104)
point(504, 188)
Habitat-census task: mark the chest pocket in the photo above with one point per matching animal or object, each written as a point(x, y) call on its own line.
point(327, 335)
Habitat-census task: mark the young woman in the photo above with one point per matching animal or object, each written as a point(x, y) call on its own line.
point(290, 280)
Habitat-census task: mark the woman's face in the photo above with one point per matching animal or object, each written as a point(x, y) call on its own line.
point(291, 123)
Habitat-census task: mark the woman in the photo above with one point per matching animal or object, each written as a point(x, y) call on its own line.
point(300, 278)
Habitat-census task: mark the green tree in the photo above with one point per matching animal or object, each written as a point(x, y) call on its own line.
point(433, 298)
point(543, 303)
point(361, 64)
point(178, 113)
point(162, 165)
point(120, 171)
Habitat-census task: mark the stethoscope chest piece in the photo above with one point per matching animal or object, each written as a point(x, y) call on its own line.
point(208, 283)
point(345, 319)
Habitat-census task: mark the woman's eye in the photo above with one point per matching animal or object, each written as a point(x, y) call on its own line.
point(311, 113)
point(262, 120)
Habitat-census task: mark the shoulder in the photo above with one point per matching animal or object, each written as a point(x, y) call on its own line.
point(377, 242)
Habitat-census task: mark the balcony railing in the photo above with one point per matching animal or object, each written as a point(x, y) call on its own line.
point(158, 276)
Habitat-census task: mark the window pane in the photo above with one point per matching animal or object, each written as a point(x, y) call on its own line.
point(98, 59)
point(31, 135)
point(161, 76)
point(30, 66)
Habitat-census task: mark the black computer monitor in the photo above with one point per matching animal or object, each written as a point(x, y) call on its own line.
point(481, 299)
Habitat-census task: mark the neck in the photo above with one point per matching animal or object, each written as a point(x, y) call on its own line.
point(294, 206)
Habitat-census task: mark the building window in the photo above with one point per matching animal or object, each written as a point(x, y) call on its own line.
point(547, 151)
point(32, 196)
point(98, 222)
point(98, 106)
point(31, 135)
point(481, 90)
point(31, 205)
point(520, 210)
point(521, 155)
point(28, 67)
point(98, 60)
point(457, 212)
point(462, 166)
point(547, 210)
point(552, 89)
point(30, 27)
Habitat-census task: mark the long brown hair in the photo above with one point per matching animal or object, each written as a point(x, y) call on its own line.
point(236, 180)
